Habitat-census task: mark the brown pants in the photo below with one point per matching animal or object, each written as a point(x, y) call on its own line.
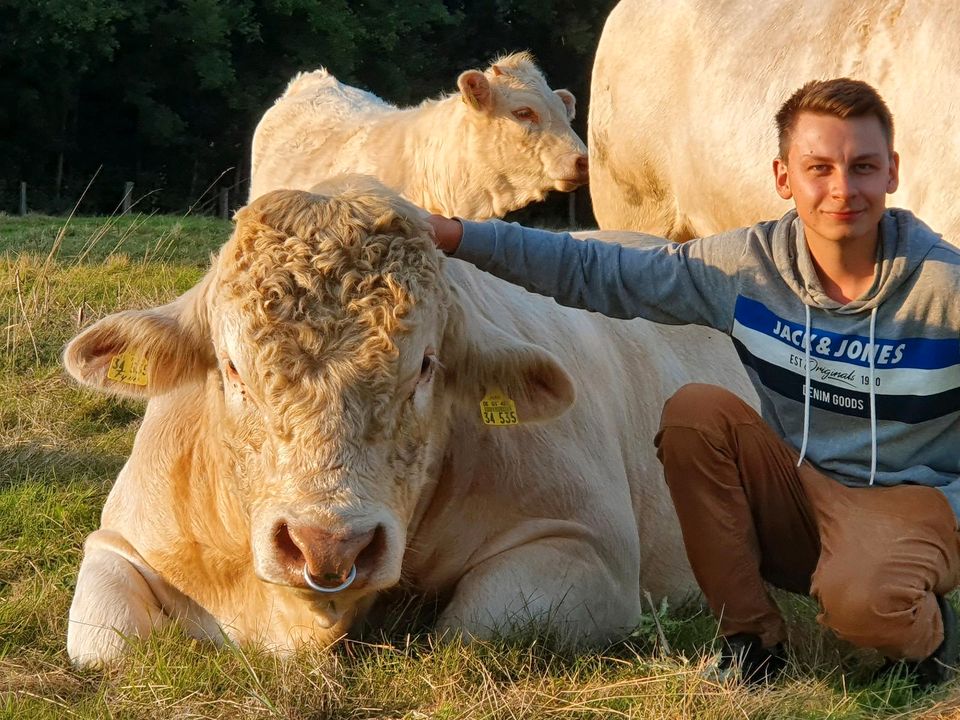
point(873, 557)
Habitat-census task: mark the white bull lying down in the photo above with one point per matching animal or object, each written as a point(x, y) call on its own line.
point(684, 94)
point(501, 143)
point(314, 418)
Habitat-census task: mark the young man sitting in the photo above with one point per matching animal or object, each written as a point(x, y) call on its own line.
point(845, 316)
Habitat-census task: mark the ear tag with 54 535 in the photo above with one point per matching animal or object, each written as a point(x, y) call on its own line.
point(129, 368)
point(497, 409)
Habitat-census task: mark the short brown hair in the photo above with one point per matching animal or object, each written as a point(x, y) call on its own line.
point(840, 97)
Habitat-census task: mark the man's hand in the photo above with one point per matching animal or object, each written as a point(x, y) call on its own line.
point(446, 233)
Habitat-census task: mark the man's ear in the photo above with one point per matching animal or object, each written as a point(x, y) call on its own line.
point(475, 90)
point(142, 353)
point(894, 180)
point(569, 102)
point(485, 358)
point(782, 178)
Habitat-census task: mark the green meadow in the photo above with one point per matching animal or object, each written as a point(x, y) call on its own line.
point(61, 447)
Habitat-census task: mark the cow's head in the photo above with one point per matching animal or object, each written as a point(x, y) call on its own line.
point(525, 126)
point(332, 355)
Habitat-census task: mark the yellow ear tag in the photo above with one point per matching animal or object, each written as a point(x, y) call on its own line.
point(129, 367)
point(497, 409)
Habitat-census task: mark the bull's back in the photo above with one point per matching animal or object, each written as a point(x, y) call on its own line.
point(602, 447)
point(623, 370)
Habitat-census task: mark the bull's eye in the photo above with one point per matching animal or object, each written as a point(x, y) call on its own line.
point(525, 114)
point(427, 367)
point(232, 374)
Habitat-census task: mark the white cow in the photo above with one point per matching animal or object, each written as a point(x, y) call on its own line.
point(500, 143)
point(684, 93)
point(316, 417)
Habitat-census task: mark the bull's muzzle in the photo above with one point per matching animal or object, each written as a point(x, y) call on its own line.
point(323, 559)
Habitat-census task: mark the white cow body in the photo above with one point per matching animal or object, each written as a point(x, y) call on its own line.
point(500, 143)
point(683, 97)
point(561, 519)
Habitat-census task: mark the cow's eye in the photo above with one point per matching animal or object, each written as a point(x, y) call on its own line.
point(525, 114)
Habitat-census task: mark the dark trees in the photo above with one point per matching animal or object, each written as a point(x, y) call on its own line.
point(167, 94)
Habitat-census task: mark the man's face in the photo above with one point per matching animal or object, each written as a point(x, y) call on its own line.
point(838, 173)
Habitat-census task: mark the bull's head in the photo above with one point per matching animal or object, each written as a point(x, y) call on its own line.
point(331, 355)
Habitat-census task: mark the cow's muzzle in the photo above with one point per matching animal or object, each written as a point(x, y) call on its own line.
point(576, 175)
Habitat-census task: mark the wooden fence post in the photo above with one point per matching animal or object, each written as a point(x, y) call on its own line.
point(23, 199)
point(127, 194)
point(225, 203)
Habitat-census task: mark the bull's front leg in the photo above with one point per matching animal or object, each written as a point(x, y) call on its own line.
point(113, 601)
point(555, 585)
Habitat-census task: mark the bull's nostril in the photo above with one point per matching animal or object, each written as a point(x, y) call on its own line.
point(288, 551)
point(373, 552)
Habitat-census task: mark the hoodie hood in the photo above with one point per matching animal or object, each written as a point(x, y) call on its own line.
point(904, 242)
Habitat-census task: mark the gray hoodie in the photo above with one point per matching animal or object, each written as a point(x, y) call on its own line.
point(883, 370)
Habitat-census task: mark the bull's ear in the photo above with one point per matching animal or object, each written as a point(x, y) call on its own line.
point(486, 359)
point(569, 102)
point(475, 90)
point(142, 353)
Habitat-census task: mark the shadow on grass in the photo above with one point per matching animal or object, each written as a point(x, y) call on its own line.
point(30, 463)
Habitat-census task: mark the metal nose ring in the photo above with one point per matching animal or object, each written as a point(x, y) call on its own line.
point(314, 585)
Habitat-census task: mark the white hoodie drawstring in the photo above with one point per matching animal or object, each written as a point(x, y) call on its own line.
point(806, 386)
point(873, 398)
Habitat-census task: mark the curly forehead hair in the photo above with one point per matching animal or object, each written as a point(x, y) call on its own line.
point(842, 98)
point(320, 278)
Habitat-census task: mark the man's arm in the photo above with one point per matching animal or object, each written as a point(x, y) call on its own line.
point(671, 283)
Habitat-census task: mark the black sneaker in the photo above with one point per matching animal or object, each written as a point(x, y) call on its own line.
point(756, 664)
point(941, 666)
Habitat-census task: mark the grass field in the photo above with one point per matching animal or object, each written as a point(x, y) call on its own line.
point(61, 447)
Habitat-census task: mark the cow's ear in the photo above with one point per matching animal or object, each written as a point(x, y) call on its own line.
point(142, 353)
point(487, 359)
point(569, 102)
point(475, 90)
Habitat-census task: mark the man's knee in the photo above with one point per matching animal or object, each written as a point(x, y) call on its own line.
point(693, 403)
point(868, 608)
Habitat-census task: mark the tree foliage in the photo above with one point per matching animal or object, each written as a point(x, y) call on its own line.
point(167, 93)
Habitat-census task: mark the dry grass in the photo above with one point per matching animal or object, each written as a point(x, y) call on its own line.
point(61, 447)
